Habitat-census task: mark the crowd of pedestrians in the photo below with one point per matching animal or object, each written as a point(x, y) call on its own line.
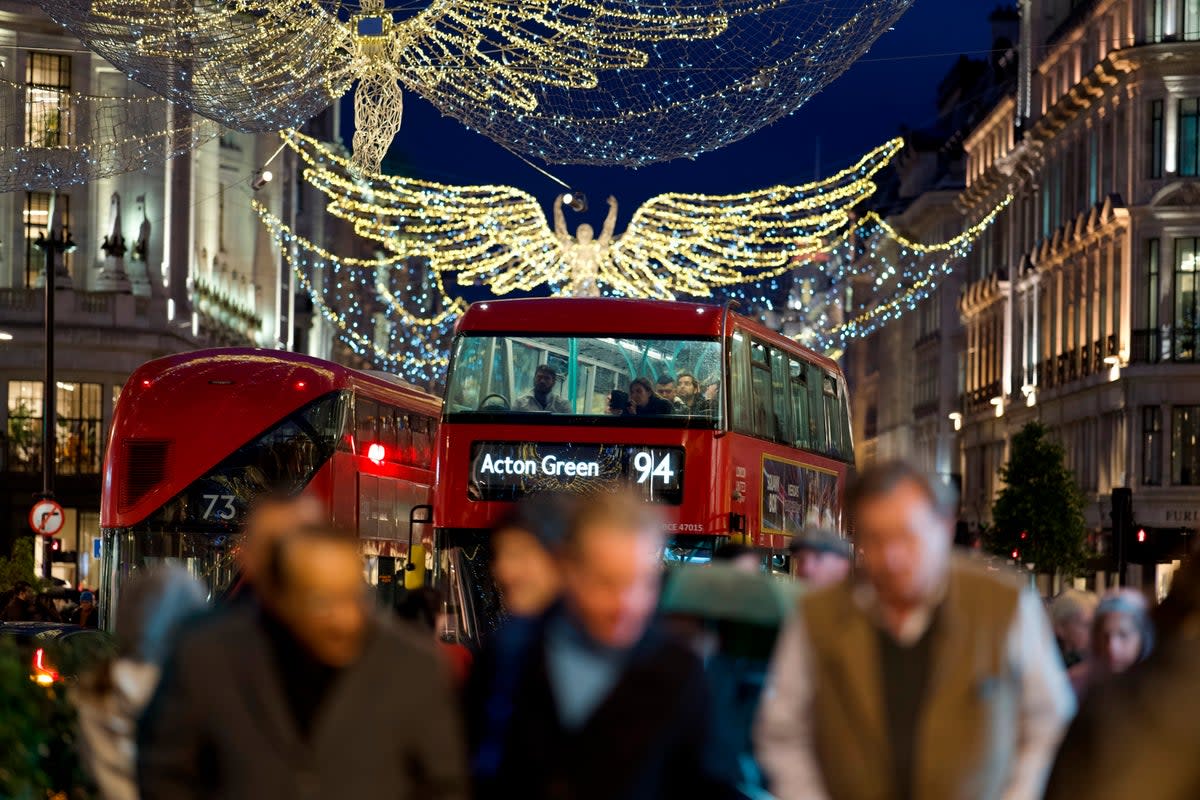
point(900, 669)
point(24, 603)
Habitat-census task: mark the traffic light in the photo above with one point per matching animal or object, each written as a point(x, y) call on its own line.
point(1133, 544)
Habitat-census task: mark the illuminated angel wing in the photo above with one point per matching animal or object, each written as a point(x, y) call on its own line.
point(252, 66)
point(460, 53)
point(495, 235)
point(690, 243)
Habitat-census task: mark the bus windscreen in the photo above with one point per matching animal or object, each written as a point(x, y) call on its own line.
point(592, 377)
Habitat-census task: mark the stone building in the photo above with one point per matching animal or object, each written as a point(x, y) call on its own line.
point(195, 269)
point(1081, 309)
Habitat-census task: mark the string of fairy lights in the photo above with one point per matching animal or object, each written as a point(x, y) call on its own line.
point(346, 294)
point(498, 236)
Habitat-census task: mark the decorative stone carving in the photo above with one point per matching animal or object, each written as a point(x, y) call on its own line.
point(113, 277)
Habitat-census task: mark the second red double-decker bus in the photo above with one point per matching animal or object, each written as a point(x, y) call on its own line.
point(197, 437)
point(755, 444)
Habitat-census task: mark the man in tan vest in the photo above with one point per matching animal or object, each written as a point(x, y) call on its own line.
point(932, 677)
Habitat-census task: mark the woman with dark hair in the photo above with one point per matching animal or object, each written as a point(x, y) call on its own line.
point(647, 403)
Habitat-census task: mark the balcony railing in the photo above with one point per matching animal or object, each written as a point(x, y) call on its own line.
point(1181, 347)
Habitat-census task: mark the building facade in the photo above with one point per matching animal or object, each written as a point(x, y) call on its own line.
point(1081, 307)
point(906, 377)
point(196, 269)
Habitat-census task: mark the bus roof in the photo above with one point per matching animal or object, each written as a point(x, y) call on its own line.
point(252, 365)
point(610, 316)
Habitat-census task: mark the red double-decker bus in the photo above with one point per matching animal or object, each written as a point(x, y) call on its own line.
point(197, 437)
point(763, 452)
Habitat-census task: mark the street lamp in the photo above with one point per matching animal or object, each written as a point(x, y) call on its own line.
point(53, 242)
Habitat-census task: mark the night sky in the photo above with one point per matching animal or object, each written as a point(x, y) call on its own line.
point(891, 85)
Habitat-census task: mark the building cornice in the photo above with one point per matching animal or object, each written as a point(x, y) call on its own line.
point(1089, 228)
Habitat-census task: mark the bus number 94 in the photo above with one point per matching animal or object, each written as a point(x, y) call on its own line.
point(647, 470)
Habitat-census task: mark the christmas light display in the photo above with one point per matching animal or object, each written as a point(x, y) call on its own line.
point(52, 138)
point(591, 81)
point(348, 291)
point(675, 243)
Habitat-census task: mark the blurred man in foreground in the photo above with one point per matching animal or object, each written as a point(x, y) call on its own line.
point(310, 696)
point(821, 557)
point(271, 517)
point(939, 680)
point(594, 701)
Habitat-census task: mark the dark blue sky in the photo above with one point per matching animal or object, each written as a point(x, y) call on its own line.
point(893, 84)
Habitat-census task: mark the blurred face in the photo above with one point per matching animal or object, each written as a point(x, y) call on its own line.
point(638, 395)
point(543, 381)
point(686, 387)
point(905, 545)
point(666, 391)
point(324, 600)
point(611, 583)
point(1118, 642)
point(584, 233)
point(526, 574)
point(1076, 632)
point(820, 569)
point(271, 522)
point(26, 594)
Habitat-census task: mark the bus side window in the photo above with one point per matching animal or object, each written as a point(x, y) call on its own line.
point(739, 382)
point(387, 432)
point(422, 440)
point(844, 410)
point(366, 417)
point(802, 421)
point(833, 414)
point(819, 440)
point(784, 425)
point(760, 391)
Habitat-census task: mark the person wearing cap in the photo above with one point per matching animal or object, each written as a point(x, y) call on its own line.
point(820, 557)
point(86, 615)
point(543, 399)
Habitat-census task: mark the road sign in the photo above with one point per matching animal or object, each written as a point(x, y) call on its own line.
point(46, 517)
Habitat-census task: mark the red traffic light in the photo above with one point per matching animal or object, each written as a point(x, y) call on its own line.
point(1141, 535)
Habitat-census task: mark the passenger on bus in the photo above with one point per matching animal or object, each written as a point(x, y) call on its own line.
point(619, 404)
point(542, 399)
point(665, 388)
point(645, 402)
point(688, 399)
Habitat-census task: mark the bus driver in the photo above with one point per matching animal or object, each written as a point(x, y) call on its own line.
point(542, 400)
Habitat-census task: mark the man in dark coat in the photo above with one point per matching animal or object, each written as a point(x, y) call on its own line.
point(21, 607)
point(308, 697)
point(593, 700)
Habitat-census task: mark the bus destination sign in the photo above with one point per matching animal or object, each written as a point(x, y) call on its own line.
point(510, 470)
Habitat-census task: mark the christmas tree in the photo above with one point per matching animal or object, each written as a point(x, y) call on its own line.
point(1038, 517)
